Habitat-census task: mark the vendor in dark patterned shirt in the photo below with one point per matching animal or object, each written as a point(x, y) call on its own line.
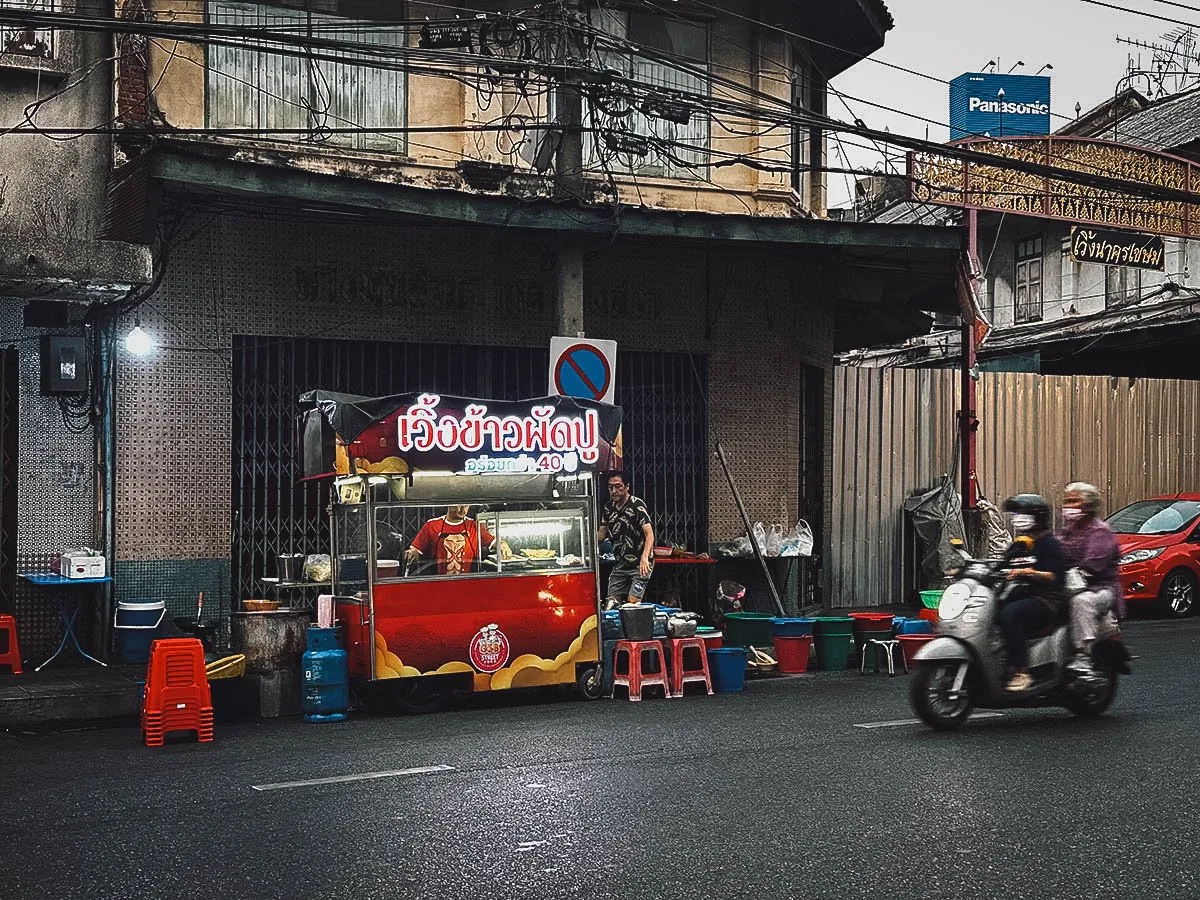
point(626, 522)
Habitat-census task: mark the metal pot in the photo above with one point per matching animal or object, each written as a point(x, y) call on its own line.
point(291, 567)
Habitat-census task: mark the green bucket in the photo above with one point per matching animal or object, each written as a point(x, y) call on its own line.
point(743, 629)
point(931, 599)
point(831, 639)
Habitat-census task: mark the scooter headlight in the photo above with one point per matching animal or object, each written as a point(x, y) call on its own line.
point(954, 600)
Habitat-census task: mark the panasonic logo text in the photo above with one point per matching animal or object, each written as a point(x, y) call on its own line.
point(978, 104)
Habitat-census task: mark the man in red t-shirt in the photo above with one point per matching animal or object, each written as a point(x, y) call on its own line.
point(454, 541)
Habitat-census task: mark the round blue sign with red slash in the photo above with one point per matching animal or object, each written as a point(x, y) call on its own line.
point(583, 372)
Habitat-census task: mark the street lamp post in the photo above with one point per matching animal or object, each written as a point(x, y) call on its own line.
point(1000, 97)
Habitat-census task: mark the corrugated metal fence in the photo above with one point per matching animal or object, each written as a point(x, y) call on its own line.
point(894, 434)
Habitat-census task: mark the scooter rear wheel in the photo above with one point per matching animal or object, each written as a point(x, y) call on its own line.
point(1093, 700)
point(931, 696)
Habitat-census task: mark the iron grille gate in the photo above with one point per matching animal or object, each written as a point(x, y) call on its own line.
point(665, 430)
point(9, 389)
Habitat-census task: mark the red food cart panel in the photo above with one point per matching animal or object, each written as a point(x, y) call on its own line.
point(514, 631)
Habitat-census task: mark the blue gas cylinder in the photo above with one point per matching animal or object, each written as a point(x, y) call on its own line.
point(326, 677)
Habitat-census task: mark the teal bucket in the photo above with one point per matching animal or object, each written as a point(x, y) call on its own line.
point(135, 624)
point(727, 666)
point(832, 641)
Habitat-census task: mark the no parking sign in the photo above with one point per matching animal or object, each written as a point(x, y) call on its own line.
point(582, 368)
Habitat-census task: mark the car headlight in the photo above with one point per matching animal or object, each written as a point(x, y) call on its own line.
point(954, 600)
point(1138, 556)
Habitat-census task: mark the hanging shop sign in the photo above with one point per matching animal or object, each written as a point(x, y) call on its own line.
point(429, 432)
point(942, 179)
point(1117, 248)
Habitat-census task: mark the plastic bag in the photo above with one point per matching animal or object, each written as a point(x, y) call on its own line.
point(317, 567)
point(760, 538)
point(774, 545)
point(799, 541)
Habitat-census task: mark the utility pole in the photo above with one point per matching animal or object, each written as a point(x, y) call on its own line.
point(568, 170)
point(968, 423)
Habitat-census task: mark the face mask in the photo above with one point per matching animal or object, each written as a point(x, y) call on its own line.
point(1071, 515)
point(1022, 522)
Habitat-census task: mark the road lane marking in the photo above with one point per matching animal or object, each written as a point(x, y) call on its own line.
point(896, 722)
point(341, 779)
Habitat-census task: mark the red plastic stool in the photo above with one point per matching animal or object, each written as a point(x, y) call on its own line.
point(177, 694)
point(11, 656)
point(680, 675)
point(635, 678)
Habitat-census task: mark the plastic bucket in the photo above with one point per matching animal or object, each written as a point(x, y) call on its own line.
point(135, 623)
point(915, 626)
point(911, 643)
point(931, 599)
point(792, 653)
point(831, 639)
point(713, 640)
point(784, 627)
point(637, 621)
point(727, 666)
point(745, 628)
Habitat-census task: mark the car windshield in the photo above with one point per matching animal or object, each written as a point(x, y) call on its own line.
point(1154, 516)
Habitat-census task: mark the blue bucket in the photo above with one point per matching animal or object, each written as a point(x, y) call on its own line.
point(915, 626)
point(795, 627)
point(136, 626)
point(727, 666)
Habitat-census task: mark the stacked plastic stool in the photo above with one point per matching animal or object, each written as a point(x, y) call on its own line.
point(11, 656)
point(635, 677)
point(681, 675)
point(177, 694)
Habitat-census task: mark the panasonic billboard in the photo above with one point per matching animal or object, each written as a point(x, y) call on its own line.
point(999, 105)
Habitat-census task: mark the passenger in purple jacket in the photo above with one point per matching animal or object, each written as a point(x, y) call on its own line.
point(1089, 545)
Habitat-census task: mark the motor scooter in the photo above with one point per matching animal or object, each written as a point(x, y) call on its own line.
point(965, 666)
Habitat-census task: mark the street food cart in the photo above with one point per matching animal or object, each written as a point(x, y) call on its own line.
point(502, 495)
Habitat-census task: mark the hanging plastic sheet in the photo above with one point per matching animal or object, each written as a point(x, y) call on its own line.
point(937, 518)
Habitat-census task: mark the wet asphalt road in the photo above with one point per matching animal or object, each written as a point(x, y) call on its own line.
point(771, 793)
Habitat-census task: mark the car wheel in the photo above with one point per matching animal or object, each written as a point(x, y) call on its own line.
point(1178, 593)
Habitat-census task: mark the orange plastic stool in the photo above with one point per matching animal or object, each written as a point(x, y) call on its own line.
point(635, 678)
point(11, 656)
point(177, 693)
point(680, 675)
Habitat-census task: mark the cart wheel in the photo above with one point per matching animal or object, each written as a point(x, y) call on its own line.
point(589, 684)
point(413, 699)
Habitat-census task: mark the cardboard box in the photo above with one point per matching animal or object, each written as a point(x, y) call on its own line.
point(84, 563)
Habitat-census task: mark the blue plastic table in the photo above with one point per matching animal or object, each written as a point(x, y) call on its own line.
point(68, 609)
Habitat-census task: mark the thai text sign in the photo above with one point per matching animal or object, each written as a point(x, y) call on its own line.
point(945, 180)
point(413, 432)
point(1117, 248)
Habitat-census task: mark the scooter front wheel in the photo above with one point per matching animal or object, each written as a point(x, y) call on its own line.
point(934, 697)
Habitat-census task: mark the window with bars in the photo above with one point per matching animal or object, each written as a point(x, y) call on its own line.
point(27, 43)
point(251, 87)
point(686, 43)
point(1027, 285)
point(1122, 285)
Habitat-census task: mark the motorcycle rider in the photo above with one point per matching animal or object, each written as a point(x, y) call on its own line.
point(1090, 546)
point(1036, 571)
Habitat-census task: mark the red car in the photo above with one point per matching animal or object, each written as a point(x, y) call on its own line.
point(1160, 551)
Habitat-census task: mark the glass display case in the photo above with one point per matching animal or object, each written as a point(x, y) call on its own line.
point(376, 524)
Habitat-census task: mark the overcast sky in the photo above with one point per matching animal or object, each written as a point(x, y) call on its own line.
point(945, 38)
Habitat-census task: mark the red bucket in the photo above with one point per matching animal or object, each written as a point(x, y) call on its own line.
point(871, 621)
point(713, 640)
point(792, 653)
point(929, 615)
point(911, 643)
